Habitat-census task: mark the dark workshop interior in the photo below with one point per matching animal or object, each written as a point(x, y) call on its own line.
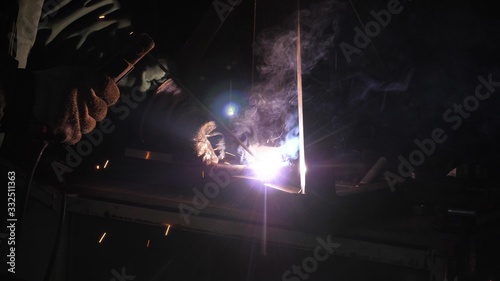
point(199, 172)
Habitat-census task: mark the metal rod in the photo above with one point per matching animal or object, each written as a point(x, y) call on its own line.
point(302, 160)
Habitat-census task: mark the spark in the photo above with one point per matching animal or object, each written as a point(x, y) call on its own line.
point(102, 17)
point(147, 245)
point(106, 164)
point(168, 229)
point(102, 237)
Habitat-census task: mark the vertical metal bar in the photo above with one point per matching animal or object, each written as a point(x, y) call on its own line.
point(302, 160)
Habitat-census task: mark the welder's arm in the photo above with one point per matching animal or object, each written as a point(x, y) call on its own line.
point(64, 102)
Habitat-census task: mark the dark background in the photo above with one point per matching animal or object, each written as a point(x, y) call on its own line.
point(395, 91)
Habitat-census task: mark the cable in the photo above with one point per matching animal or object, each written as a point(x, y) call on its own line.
point(253, 39)
point(62, 216)
point(372, 45)
point(30, 180)
point(28, 187)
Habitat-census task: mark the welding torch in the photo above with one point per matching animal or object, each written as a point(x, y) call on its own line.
point(200, 104)
point(116, 67)
point(123, 62)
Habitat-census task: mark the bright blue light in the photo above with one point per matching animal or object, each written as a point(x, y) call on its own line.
point(231, 110)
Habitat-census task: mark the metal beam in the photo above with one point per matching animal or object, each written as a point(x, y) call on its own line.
point(417, 258)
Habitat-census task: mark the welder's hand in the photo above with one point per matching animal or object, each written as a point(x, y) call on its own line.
point(70, 100)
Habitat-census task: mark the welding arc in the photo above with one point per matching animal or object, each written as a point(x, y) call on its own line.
point(200, 104)
point(280, 187)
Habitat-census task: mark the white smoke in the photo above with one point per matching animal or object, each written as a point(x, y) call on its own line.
point(271, 118)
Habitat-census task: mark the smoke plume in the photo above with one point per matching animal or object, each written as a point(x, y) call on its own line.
point(271, 118)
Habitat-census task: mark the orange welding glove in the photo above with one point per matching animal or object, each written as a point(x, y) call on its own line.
point(70, 100)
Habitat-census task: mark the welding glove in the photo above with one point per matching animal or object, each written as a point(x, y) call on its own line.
point(70, 100)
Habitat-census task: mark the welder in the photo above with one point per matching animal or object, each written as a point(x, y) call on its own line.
point(62, 102)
